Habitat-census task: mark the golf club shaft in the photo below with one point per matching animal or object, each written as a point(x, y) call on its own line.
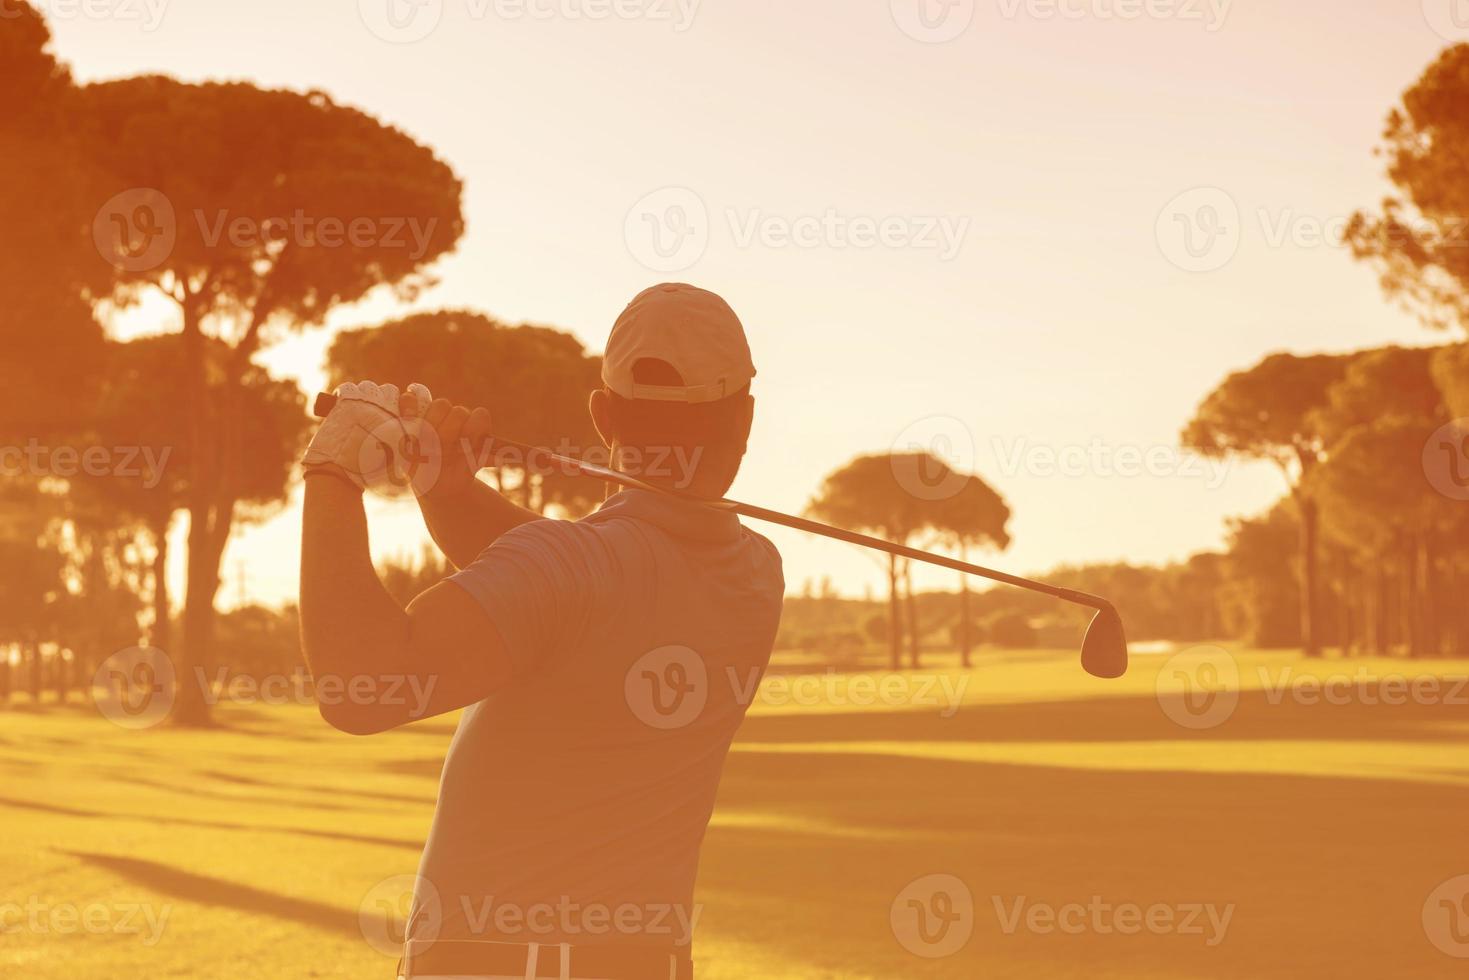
point(325, 402)
point(905, 551)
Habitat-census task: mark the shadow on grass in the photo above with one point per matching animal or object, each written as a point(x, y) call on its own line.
point(152, 818)
point(48, 706)
point(418, 799)
point(219, 893)
point(1258, 716)
point(265, 720)
point(195, 791)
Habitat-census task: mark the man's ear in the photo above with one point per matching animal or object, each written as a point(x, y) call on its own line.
point(599, 407)
point(747, 422)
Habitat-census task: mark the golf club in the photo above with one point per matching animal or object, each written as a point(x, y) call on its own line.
point(1103, 650)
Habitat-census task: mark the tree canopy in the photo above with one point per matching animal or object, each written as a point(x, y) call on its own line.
point(1416, 240)
point(1266, 412)
point(256, 211)
point(50, 343)
point(893, 495)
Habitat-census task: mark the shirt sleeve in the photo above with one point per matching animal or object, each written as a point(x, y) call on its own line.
point(535, 583)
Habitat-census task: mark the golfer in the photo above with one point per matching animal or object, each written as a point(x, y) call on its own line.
point(603, 664)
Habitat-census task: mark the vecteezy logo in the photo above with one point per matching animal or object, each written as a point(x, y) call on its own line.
point(933, 916)
point(933, 21)
point(1199, 230)
point(401, 456)
point(668, 230)
point(1446, 917)
point(134, 688)
point(399, 907)
point(136, 230)
point(1449, 19)
point(667, 687)
point(401, 21)
point(1446, 460)
point(1199, 687)
point(946, 439)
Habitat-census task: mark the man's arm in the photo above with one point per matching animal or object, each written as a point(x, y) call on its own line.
point(375, 665)
point(465, 522)
point(463, 515)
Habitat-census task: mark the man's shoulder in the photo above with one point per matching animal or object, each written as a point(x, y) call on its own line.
point(547, 537)
point(766, 548)
point(764, 543)
point(542, 530)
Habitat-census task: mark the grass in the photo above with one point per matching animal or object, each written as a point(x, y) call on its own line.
point(1320, 827)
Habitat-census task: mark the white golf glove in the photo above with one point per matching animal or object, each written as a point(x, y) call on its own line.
point(365, 439)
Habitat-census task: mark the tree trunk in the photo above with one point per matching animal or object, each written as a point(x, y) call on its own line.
point(1408, 606)
point(895, 617)
point(61, 677)
point(1457, 582)
point(205, 553)
point(1393, 629)
point(1427, 595)
point(34, 671)
point(913, 626)
point(1367, 589)
point(206, 435)
point(966, 627)
point(159, 632)
point(216, 441)
point(1461, 630)
point(201, 583)
point(1310, 575)
point(1381, 624)
point(1348, 608)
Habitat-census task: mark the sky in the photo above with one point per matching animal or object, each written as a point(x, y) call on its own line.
point(1027, 235)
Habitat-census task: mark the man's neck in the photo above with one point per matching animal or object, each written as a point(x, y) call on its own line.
point(679, 468)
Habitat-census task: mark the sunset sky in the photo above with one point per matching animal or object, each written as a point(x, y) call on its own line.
point(1057, 317)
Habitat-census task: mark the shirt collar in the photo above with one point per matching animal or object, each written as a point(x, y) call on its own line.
point(680, 518)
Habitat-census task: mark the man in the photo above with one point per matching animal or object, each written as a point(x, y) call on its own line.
point(604, 664)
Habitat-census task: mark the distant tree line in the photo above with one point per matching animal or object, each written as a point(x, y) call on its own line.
point(110, 192)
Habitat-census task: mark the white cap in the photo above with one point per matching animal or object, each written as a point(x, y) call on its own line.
point(691, 329)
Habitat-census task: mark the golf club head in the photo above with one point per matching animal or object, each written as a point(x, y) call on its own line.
point(1104, 650)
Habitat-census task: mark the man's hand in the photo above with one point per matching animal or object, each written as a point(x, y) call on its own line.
point(365, 440)
point(462, 437)
point(463, 515)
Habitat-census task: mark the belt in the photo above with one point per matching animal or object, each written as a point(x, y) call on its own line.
point(551, 961)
